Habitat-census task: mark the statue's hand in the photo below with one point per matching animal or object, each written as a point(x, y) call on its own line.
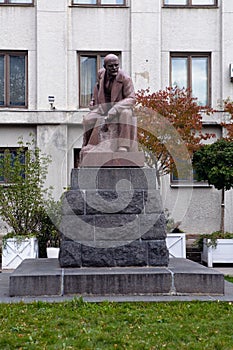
point(109, 118)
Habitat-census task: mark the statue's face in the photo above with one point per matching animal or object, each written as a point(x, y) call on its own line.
point(112, 67)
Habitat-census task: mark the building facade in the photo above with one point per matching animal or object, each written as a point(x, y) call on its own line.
point(50, 52)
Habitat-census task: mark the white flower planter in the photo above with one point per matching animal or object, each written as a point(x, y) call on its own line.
point(52, 252)
point(176, 245)
point(222, 254)
point(14, 251)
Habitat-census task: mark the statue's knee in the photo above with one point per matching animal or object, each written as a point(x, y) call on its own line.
point(126, 116)
point(126, 112)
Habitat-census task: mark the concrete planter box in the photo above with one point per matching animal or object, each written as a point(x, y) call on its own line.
point(14, 251)
point(176, 245)
point(222, 254)
point(52, 252)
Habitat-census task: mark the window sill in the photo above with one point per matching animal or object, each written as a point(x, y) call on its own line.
point(191, 7)
point(18, 5)
point(190, 184)
point(99, 6)
point(24, 108)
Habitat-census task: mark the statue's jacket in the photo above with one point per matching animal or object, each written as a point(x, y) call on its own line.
point(122, 93)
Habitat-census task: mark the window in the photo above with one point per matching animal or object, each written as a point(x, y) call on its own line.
point(13, 79)
point(13, 153)
point(182, 173)
point(99, 2)
point(89, 64)
point(17, 2)
point(190, 2)
point(76, 157)
point(192, 71)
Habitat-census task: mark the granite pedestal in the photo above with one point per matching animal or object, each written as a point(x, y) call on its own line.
point(113, 217)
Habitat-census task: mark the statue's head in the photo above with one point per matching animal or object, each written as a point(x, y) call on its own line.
point(111, 64)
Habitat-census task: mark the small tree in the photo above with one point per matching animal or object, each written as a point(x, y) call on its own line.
point(22, 195)
point(169, 127)
point(214, 163)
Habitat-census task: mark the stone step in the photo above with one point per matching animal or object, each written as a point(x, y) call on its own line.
point(35, 277)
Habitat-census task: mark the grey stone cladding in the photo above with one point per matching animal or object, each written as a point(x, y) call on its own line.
point(113, 217)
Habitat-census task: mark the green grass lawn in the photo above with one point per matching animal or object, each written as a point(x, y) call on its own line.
point(81, 325)
point(229, 279)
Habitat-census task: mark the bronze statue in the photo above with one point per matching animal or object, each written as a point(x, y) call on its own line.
point(111, 105)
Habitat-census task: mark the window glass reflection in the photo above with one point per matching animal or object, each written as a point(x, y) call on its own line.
point(17, 80)
point(200, 79)
point(87, 79)
point(2, 80)
point(20, 1)
point(112, 2)
point(180, 72)
point(85, 2)
point(175, 2)
point(203, 2)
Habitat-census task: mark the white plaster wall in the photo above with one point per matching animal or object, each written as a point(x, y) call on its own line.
point(17, 28)
point(197, 208)
point(51, 53)
point(190, 30)
point(52, 140)
point(145, 44)
point(9, 135)
point(100, 29)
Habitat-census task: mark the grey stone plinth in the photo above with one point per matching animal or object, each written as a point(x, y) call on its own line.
point(113, 178)
point(35, 277)
point(114, 217)
point(113, 159)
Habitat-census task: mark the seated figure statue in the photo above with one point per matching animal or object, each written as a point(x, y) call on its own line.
point(111, 115)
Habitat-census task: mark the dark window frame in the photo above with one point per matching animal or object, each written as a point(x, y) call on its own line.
point(8, 3)
point(76, 155)
point(98, 4)
point(98, 55)
point(192, 181)
point(11, 150)
point(7, 55)
point(190, 5)
point(189, 55)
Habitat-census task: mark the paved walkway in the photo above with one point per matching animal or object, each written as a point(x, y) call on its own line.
point(4, 294)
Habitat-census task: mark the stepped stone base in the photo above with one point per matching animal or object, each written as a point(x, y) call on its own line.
point(36, 277)
point(113, 217)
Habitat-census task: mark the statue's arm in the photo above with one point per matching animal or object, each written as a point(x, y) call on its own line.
point(94, 101)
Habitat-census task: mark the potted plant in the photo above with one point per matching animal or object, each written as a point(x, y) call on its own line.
point(23, 172)
point(213, 163)
point(217, 248)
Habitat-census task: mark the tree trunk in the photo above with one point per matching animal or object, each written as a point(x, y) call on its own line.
point(222, 222)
